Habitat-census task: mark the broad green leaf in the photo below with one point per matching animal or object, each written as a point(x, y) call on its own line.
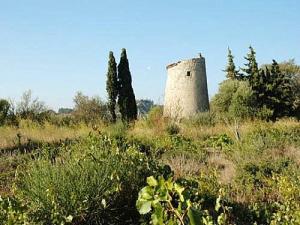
point(169, 184)
point(207, 220)
point(143, 206)
point(69, 219)
point(194, 216)
point(163, 194)
point(188, 203)
point(146, 193)
point(218, 204)
point(179, 191)
point(221, 219)
point(151, 181)
point(158, 215)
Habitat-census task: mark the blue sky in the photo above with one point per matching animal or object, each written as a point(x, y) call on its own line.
point(59, 47)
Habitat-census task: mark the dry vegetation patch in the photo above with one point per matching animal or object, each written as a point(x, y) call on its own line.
point(12, 136)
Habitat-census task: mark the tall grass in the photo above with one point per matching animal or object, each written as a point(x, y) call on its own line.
point(29, 131)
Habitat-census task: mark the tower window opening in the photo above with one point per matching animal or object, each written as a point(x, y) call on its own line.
point(188, 73)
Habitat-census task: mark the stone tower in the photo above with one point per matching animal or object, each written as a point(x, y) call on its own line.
point(186, 89)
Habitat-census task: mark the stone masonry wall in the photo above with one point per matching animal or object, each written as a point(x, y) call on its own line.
point(186, 89)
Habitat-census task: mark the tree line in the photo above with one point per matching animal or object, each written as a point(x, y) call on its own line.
point(86, 109)
point(268, 92)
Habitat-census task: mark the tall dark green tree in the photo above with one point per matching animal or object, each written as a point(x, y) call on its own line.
point(254, 76)
point(231, 72)
point(112, 86)
point(126, 98)
point(282, 95)
point(291, 70)
point(274, 92)
point(262, 89)
point(251, 71)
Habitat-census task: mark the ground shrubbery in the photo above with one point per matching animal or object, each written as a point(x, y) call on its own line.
point(90, 182)
point(230, 168)
point(96, 180)
point(89, 110)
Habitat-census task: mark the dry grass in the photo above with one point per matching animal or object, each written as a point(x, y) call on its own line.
point(293, 153)
point(184, 166)
point(144, 129)
point(225, 167)
point(46, 133)
point(202, 132)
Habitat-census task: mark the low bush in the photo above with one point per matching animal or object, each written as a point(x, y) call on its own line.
point(13, 212)
point(63, 120)
point(288, 203)
point(206, 119)
point(234, 100)
point(96, 180)
point(172, 129)
point(92, 182)
point(89, 110)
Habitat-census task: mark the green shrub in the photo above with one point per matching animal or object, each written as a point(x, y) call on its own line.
point(234, 99)
point(118, 130)
point(4, 110)
point(255, 173)
point(173, 129)
point(94, 181)
point(268, 135)
point(185, 156)
point(288, 204)
point(63, 120)
point(31, 109)
point(222, 100)
point(13, 212)
point(89, 109)
point(220, 141)
point(264, 113)
point(202, 119)
point(155, 116)
point(242, 102)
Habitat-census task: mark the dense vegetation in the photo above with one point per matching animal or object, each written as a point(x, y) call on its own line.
point(270, 92)
point(96, 179)
point(96, 164)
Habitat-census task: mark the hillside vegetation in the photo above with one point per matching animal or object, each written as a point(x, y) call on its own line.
point(96, 179)
point(106, 163)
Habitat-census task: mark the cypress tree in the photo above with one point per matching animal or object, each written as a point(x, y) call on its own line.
point(267, 98)
point(231, 72)
point(112, 86)
point(282, 92)
point(262, 90)
point(126, 98)
point(254, 76)
point(251, 70)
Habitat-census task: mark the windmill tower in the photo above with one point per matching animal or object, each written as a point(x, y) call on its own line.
point(186, 89)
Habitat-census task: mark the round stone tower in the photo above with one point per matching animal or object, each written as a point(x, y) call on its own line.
point(186, 89)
